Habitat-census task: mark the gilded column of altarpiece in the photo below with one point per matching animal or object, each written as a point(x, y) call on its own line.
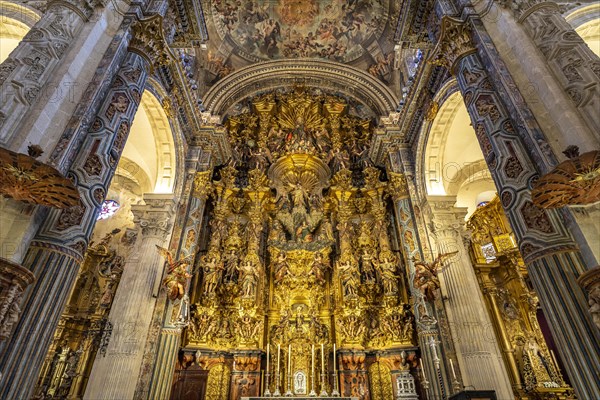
point(299, 255)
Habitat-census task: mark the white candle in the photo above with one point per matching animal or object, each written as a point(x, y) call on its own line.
point(334, 357)
point(267, 358)
point(422, 369)
point(278, 353)
point(452, 369)
point(322, 359)
point(312, 356)
point(289, 361)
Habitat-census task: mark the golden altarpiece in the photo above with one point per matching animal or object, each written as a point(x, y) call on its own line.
point(298, 260)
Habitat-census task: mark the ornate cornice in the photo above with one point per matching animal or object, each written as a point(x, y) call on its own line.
point(454, 43)
point(398, 187)
point(264, 76)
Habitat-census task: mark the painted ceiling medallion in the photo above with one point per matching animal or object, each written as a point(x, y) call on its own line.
point(573, 182)
point(332, 29)
point(25, 179)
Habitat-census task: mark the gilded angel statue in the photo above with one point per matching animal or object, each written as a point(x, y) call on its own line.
point(178, 274)
point(426, 279)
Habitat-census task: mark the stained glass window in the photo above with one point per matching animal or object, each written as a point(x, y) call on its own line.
point(107, 209)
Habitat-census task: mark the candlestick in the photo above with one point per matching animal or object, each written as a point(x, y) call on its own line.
point(323, 377)
point(334, 357)
point(312, 381)
point(455, 383)
point(334, 392)
point(322, 359)
point(277, 392)
point(288, 392)
point(267, 392)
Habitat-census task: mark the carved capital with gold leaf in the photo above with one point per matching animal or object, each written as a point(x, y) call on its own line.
point(148, 41)
point(454, 43)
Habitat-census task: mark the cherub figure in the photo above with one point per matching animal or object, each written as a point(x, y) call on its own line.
point(178, 274)
point(426, 279)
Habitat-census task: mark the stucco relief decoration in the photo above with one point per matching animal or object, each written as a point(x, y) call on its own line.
point(573, 182)
point(25, 179)
point(331, 29)
point(536, 218)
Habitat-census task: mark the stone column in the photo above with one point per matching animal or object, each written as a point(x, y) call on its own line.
point(56, 252)
point(547, 246)
point(472, 330)
point(159, 382)
point(113, 376)
point(575, 66)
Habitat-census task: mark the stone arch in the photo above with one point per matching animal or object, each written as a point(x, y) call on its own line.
point(586, 22)
point(450, 159)
point(349, 81)
point(149, 156)
point(15, 21)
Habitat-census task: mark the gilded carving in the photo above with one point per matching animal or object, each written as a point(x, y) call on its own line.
point(453, 44)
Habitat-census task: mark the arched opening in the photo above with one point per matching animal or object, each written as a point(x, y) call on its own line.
point(147, 164)
point(586, 22)
point(454, 164)
point(15, 22)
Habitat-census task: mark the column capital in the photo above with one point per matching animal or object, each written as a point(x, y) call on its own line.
point(155, 217)
point(202, 184)
point(398, 186)
point(453, 44)
point(447, 218)
point(147, 40)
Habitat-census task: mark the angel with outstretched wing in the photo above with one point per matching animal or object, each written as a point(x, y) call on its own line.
point(178, 273)
point(426, 275)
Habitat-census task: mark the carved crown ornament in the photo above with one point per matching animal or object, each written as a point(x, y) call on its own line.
point(572, 182)
point(147, 40)
point(25, 179)
point(453, 44)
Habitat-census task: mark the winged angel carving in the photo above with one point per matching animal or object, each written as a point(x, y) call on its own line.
point(426, 275)
point(178, 273)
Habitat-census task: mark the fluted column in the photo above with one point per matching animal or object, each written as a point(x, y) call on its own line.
point(575, 66)
point(549, 250)
point(113, 376)
point(472, 330)
point(56, 252)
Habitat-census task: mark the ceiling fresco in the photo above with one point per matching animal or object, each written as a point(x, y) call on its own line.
point(339, 30)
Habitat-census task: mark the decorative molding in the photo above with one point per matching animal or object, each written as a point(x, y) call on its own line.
point(261, 77)
point(454, 43)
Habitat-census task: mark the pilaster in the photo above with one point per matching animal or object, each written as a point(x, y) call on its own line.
point(158, 381)
point(428, 329)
